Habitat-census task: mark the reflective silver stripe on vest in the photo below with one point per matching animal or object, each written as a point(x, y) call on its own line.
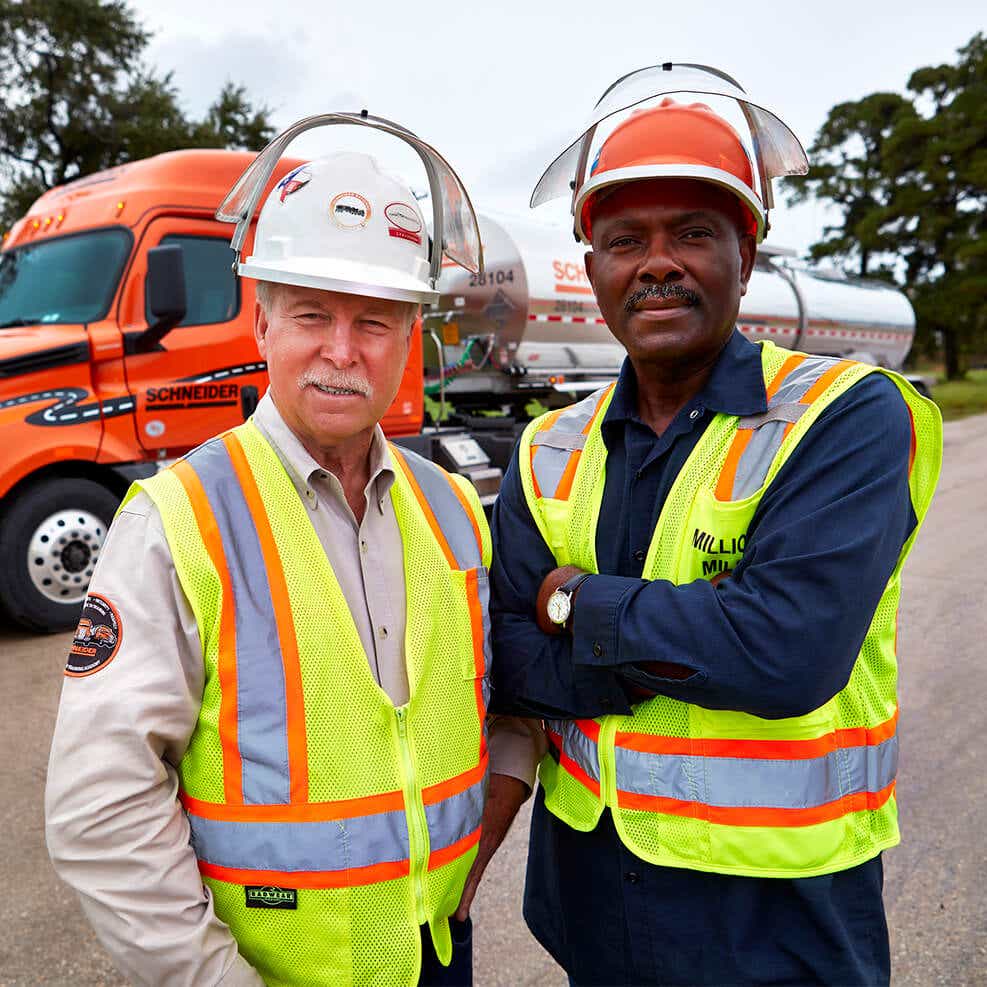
point(733, 782)
point(552, 447)
point(579, 747)
point(337, 844)
point(262, 722)
point(756, 459)
point(455, 523)
point(454, 818)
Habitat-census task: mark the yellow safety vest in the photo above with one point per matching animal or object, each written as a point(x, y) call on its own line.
point(328, 824)
point(717, 790)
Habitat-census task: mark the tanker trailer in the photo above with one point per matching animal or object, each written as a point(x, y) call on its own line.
point(529, 326)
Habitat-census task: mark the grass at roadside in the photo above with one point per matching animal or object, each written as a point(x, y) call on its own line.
point(959, 398)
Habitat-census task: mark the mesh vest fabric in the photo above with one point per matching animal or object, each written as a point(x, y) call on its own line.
point(300, 772)
point(713, 790)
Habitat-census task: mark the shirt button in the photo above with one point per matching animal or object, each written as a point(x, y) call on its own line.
point(639, 555)
point(694, 414)
point(363, 545)
point(632, 877)
point(598, 649)
point(382, 632)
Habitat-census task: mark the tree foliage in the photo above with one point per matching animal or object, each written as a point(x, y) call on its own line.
point(907, 175)
point(76, 96)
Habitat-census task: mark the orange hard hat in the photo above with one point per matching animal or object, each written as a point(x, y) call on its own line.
point(673, 140)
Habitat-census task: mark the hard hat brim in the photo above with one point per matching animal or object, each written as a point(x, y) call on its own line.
point(703, 173)
point(328, 274)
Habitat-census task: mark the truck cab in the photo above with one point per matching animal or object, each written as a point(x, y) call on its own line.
point(100, 381)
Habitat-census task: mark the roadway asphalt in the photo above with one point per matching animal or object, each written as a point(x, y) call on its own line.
point(934, 881)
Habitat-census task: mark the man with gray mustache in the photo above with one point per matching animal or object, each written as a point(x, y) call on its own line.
point(275, 765)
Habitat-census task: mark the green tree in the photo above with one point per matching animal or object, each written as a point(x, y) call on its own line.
point(849, 170)
point(77, 97)
point(938, 217)
point(908, 178)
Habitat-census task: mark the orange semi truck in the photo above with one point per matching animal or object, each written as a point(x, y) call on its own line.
point(125, 341)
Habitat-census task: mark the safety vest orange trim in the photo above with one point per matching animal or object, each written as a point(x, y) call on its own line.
point(349, 878)
point(728, 474)
point(426, 509)
point(782, 750)
point(757, 816)
point(226, 660)
point(479, 662)
point(439, 858)
point(368, 805)
point(571, 766)
point(284, 619)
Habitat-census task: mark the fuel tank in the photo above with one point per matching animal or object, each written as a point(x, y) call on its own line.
point(531, 319)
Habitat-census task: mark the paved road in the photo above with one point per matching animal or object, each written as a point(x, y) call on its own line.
point(935, 880)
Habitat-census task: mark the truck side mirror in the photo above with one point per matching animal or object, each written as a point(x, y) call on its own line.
point(165, 291)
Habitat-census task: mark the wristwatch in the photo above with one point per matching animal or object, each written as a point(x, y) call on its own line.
point(559, 605)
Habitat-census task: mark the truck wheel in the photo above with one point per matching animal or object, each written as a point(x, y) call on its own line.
point(51, 535)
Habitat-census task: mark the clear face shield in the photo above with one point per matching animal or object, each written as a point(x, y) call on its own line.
point(777, 151)
point(455, 232)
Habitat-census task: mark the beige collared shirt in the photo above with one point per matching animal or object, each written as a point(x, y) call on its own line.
point(114, 827)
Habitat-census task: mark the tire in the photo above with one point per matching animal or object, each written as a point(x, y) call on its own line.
point(50, 537)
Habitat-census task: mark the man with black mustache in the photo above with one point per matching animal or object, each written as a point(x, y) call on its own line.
point(696, 585)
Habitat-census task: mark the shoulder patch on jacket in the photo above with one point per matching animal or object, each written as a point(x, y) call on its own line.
point(97, 638)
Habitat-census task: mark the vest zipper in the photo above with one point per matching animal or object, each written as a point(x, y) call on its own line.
point(417, 825)
point(607, 759)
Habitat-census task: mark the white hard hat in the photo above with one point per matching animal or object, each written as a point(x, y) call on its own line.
point(339, 223)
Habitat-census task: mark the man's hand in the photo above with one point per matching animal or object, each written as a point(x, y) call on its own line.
point(505, 794)
point(555, 579)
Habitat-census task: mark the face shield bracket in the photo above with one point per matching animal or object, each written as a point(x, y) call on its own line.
point(776, 149)
point(241, 204)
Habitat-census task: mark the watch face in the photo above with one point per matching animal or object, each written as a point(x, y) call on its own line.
point(558, 607)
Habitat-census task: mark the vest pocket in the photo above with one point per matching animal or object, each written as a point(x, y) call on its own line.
point(474, 588)
point(716, 536)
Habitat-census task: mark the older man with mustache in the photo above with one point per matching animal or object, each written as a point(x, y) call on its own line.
point(275, 772)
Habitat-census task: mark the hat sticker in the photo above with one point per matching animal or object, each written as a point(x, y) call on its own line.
point(294, 180)
point(350, 211)
point(97, 637)
point(405, 223)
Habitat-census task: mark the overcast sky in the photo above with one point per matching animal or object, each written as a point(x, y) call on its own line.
point(500, 88)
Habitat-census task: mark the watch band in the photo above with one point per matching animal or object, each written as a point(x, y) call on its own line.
point(569, 587)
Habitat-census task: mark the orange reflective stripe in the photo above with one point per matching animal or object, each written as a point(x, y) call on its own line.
point(426, 508)
point(783, 371)
point(724, 485)
point(461, 497)
point(569, 473)
point(758, 815)
point(914, 442)
point(283, 618)
point(590, 727)
point(447, 854)
point(565, 761)
point(548, 423)
point(742, 439)
point(779, 750)
point(369, 805)
point(453, 786)
point(824, 381)
point(351, 877)
point(479, 661)
point(226, 660)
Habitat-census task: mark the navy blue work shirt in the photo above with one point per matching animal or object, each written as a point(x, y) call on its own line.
point(777, 639)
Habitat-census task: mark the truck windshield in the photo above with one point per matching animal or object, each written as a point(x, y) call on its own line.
point(70, 280)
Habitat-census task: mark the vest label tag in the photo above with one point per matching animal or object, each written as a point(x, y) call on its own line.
point(267, 897)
